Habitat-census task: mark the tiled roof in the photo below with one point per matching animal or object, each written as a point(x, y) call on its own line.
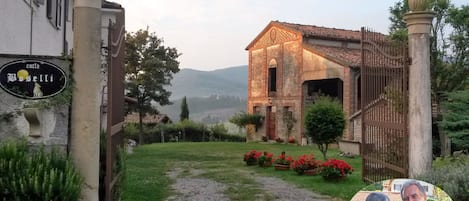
point(344, 56)
point(110, 4)
point(148, 119)
point(323, 32)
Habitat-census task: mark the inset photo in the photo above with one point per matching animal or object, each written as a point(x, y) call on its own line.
point(401, 190)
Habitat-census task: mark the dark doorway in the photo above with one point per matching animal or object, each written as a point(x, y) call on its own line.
point(328, 87)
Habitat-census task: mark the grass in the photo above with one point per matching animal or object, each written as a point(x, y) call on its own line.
point(222, 161)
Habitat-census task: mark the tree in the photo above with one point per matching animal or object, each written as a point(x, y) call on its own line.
point(243, 119)
point(449, 54)
point(149, 67)
point(184, 110)
point(455, 118)
point(324, 122)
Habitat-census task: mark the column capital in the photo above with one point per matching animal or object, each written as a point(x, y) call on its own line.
point(419, 22)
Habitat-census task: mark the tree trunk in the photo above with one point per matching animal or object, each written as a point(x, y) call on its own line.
point(445, 142)
point(140, 126)
point(323, 149)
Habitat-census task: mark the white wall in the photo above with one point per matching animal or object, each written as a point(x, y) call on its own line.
point(25, 29)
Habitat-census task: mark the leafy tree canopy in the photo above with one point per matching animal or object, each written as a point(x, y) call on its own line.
point(449, 52)
point(149, 67)
point(242, 119)
point(449, 39)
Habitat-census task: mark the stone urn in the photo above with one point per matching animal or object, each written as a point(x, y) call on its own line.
point(418, 5)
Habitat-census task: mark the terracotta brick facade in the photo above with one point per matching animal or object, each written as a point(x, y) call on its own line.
point(301, 61)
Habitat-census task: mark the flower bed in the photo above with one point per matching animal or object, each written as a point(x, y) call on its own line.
point(265, 160)
point(306, 164)
point(251, 157)
point(283, 162)
point(335, 170)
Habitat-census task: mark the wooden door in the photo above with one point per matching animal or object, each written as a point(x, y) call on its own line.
point(271, 127)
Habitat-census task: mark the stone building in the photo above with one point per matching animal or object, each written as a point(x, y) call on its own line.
point(290, 65)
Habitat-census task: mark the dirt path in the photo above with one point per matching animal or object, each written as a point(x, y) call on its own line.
point(189, 186)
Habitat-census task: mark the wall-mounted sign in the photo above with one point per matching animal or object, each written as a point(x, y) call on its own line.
point(32, 79)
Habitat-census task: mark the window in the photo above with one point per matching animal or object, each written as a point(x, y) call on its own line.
point(358, 95)
point(272, 76)
point(39, 2)
point(272, 79)
point(54, 12)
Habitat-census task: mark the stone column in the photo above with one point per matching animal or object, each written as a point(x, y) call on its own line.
point(420, 120)
point(85, 130)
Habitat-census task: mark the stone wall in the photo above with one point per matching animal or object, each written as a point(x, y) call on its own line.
point(39, 125)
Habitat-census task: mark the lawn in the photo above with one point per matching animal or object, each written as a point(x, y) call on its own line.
point(222, 162)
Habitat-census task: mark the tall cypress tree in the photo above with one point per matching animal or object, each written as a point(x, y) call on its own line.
point(184, 110)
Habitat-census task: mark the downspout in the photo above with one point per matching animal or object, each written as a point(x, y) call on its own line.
point(31, 29)
point(65, 43)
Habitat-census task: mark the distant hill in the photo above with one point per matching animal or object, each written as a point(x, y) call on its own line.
point(212, 96)
point(212, 109)
point(230, 81)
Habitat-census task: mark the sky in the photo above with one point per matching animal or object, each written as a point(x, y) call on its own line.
point(213, 34)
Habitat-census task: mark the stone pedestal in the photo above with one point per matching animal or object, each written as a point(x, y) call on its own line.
point(420, 120)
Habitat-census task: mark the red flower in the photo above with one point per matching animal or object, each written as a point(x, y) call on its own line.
point(252, 155)
point(305, 162)
point(283, 160)
point(334, 167)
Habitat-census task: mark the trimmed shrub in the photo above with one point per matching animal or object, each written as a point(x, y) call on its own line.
point(325, 122)
point(38, 175)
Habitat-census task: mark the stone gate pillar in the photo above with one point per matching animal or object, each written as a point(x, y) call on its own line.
point(419, 23)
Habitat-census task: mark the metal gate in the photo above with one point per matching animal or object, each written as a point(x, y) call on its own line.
point(384, 95)
point(115, 103)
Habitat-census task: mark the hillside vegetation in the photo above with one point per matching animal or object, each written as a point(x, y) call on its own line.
point(230, 81)
point(212, 109)
point(212, 96)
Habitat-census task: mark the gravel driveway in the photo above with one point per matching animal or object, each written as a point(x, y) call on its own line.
point(191, 187)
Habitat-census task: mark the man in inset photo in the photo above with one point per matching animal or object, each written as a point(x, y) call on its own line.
point(413, 191)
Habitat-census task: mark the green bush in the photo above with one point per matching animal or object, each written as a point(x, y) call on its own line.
point(242, 119)
point(36, 175)
point(131, 131)
point(325, 122)
point(183, 131)
point(453, 179)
